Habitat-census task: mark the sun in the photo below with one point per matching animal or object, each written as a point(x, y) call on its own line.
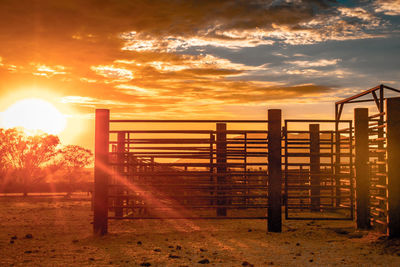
point(34, 114)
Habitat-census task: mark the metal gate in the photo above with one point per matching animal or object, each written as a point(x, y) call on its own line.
point(378, 172)
point(318, 169)
point(175, 169)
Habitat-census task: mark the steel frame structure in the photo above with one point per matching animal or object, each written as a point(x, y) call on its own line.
point(377, 147)
point(206, 174)
point(378, 99)
point(142, 173)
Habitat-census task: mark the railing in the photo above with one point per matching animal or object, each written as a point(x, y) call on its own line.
point(187, 173)
point(144, 172)
point(377, 171)
point(317, 184)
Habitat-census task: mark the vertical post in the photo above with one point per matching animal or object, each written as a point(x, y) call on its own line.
point(332, 172)
point(393, 170)
point(121, 171)
point(351, 148)
point(274, 171)
point(381, 135)
point(246, 181)
point(221, 168)
point(286, 171)
point(337, 162)
point(211, 169)
point(361, 166)
point(315, 173)
point(100, 217)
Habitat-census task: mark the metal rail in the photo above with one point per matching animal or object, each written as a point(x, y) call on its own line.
point(378, 173)
point(216, 173)
point(317, 186)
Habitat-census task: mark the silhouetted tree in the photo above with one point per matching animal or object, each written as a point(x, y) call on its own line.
point(75, 159)
point(4, 166)
point(27, 154)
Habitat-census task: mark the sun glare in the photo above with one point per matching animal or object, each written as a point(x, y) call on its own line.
point(34, 115)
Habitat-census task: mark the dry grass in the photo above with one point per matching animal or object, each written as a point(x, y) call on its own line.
point(62, 236)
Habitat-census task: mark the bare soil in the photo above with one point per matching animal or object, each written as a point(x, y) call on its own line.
point(58, 232)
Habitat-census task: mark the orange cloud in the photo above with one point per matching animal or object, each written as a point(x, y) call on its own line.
point(388, 7)
point(113, 74)
point(47, 71)
point(153, 54)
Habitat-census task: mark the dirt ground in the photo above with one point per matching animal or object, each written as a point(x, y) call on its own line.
point(58, 232)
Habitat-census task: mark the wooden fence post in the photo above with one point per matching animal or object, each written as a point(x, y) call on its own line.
point(393, 170)
point(211, 169)
point(100, 218)
point(338, 191)
point(221, 168)
point(361, 168)
point(274, 170)
point(315, 168)
point(121, 171)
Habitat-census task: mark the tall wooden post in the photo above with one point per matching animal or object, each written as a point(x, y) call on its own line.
point(221, 168)
point(121, 172)
point(361, 167)
point(211, 169)
point(393, 170)
point(274, 170)
point(100, 220)
point(315, 168)
point(337, 162)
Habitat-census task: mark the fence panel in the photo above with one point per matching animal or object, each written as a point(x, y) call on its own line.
point(378, 172)
point(317, 184)
point(170, 174)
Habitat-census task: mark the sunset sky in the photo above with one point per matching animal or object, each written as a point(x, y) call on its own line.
point(194, 59)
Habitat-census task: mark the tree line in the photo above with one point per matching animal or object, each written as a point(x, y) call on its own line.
point(26, 160)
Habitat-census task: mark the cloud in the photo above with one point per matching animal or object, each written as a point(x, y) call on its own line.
point(293, 24)
point(315, 73)
point(113, 73)
point(103, 24)
point(95, 102)
point(315, 63)
point(198, 62)
point(174, 56)
point(95, 31)
point(47, 71)
point(388, 7)
point(74, 33)
point(201, 101)
point(136, 90)
point(317, 68)
point(341, 24)
point(231, 39)
point(358, 13)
